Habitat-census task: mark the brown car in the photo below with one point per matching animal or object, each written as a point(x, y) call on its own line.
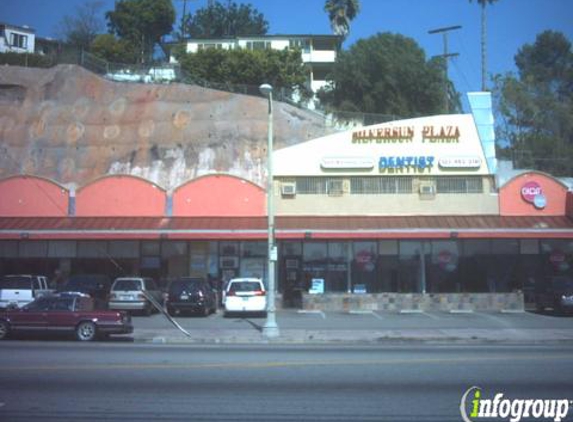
point(65, 313)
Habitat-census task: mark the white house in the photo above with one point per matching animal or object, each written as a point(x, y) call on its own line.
point(17, 39)
point(318, 51)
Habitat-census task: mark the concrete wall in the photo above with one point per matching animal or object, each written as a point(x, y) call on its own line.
point(344, 302)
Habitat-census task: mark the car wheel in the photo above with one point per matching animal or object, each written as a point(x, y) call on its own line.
point(4, 329)
point(86, 331)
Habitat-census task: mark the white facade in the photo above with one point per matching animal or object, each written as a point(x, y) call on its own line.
point(16, 39)
point(318, 52)
point(436, 145)
point(424, 166)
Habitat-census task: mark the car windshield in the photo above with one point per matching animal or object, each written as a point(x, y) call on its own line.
point(191, 285)
point(127, 284)
point(245, 286)
point(16, 282)
point(41, 304)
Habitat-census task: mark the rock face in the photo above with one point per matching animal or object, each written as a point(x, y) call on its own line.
point(73, 126)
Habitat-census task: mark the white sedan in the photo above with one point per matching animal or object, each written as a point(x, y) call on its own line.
point(245, 295)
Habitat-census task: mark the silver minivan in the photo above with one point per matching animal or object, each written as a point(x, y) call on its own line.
point(129, 294)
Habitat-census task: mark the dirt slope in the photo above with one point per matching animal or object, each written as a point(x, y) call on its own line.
point(73, 126)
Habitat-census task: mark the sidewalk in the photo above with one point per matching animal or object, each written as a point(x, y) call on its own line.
point(400, 329)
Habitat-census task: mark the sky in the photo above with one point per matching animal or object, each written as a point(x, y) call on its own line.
point(510, 25)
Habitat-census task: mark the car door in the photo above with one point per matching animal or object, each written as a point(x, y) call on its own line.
point(61, 315)
point(32, 316)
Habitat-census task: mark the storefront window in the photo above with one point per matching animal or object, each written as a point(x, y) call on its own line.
point(474, 266)
point(503, 266)
point(442, 267)
point(250, 249)
point(92, 249)
point(364, 267)
point(410, 274)
point(338, 266)
point(173, 248)
point(62, 248)
point(315, 263)
point(557, 257)
point(150, 247)
point(388, 267)
point(291, 248)
point(124, 249)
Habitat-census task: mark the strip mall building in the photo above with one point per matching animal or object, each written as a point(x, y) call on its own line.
point(406, 214)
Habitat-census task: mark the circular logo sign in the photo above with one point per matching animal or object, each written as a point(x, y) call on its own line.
point(531, 190)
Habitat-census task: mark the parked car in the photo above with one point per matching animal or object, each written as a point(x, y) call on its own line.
point(245, 295)
point(556, 293)
point(95, 285)
point(65, 313)
point(19, 290)
point(129, 294)
point(191, 294)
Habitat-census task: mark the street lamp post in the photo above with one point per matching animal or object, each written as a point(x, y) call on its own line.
point(270, 329)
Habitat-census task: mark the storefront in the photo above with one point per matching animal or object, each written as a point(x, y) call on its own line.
point(406, 214)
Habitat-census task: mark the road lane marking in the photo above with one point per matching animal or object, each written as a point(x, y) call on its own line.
point(434, 317)
point(280, 364)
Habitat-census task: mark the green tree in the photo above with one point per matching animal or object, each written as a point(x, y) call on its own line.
point(108, 47)
point(142, 23)
point(81, 28)
point(483, 4)
point(280, 68)
point(386, 74)
point(536, 105)
point(218, 20)
point(340, 14)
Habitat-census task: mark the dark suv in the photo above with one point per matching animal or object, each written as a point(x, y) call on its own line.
point(191, 294)
point(95, 285)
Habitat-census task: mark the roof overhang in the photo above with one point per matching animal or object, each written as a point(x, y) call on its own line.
point(303, 227)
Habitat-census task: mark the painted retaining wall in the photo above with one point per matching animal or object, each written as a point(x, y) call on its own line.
point(344, 302)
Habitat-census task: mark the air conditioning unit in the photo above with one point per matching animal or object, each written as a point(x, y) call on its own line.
point(288, 188)
point(229, 262)
point(427, 190)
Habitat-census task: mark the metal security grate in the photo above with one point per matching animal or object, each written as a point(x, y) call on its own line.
point(380, 185)
point(311, 185)
point(459, 185)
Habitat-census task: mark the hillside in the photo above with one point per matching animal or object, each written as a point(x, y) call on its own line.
point(72, 126)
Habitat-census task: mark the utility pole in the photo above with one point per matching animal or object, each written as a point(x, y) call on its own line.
point(183, 17)
point(446, 56)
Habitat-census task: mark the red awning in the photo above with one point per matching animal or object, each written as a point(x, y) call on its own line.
point(293, 227)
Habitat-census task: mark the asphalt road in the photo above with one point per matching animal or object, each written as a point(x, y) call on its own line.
point(57, 381)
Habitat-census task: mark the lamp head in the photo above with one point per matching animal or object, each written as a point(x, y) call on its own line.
point(266, 89)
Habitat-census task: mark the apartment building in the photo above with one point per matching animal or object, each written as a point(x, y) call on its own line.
point(318, 52)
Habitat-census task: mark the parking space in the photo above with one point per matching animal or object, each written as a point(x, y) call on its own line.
point(365, 320)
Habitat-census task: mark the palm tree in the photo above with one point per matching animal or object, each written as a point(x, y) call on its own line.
point(483, 4)
point(340, 13)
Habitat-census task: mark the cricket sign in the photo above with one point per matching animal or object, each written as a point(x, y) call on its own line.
point(475, 407)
